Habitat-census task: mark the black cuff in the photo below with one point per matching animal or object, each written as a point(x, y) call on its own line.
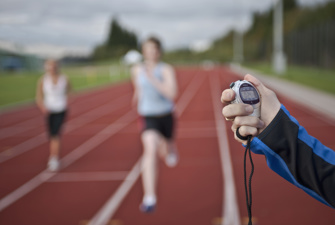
point(271, 126)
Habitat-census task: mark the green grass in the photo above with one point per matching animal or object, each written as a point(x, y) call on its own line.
point(322, 79)
point(20, 87)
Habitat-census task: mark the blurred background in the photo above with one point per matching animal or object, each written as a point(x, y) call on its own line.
point(90, 38)
point(95, 42)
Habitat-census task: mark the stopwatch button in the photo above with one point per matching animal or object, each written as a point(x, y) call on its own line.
point(232, 85)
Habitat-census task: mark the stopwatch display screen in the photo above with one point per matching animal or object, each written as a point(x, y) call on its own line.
point(248, 94)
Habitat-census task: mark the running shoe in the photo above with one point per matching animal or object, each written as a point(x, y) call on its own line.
point(171, 159)
point(53, 164)
point(147, 208)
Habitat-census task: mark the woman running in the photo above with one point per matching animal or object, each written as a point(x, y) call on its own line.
point(155, 89)
point(51, 98)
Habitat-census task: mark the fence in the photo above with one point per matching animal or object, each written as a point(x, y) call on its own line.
point(312, 46)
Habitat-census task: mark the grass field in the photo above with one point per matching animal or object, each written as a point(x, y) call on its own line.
point(20, 87)
point(321, 79)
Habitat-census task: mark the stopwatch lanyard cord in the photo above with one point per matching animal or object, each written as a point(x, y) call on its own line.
point(248, 193)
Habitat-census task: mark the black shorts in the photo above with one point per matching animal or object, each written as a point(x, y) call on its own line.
point(163, 124)
point(55, 122)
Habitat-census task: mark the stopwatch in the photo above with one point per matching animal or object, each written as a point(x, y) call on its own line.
point(246, 93)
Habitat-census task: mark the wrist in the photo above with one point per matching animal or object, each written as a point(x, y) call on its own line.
point(269, 125)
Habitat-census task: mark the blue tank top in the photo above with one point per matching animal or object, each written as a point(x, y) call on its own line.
point(151, 102)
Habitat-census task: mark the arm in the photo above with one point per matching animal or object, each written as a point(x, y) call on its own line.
point(69, 88)
point(167, 87)
point(69, 91)
point(290, 151)
point(39, 96)
point(134, 71)
point(298, 157)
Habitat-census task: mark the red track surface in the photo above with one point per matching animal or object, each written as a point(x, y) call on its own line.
point(190, 193)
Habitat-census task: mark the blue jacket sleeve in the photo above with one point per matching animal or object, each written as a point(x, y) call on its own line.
point(298, 157)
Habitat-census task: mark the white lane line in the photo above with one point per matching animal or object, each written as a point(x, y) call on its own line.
point(23, 147)
point(89, 176)
point(20, 128)
point(230, 214)
point(31, 123)
point(72, 125)
point(70, 158)
point(107, 211)
point(189, 94)
point(36, 120)
point(113, 203)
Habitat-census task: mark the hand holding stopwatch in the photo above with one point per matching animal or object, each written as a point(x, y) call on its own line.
point(246, 93)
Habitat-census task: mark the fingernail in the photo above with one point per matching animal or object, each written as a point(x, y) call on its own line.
point(249, 108)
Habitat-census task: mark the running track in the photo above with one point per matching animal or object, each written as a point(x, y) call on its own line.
point(100, 183)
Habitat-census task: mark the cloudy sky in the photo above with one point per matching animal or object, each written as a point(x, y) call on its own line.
point(84, 23)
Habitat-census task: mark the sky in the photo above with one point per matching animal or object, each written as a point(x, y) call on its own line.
point(82, 24)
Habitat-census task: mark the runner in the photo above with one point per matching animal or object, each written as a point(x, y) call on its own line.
point(51, 98)
point(155, 89)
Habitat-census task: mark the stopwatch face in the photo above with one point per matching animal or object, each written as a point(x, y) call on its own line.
point(248, 94)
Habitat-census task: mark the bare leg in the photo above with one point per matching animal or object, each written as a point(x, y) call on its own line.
point(163, 148)
point(172, 146)
point(172, 156)
point(150, 140)
point(54, 147)
point(53, 163)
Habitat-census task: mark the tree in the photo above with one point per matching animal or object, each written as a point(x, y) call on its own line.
point(289, 5)
point(118, 42)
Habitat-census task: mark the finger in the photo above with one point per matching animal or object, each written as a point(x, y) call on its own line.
point(250, 121)
point(233, 110)
point(236, 138)
point(257, 83)
point(246, 131)
point(227, 96)
point(269, 102)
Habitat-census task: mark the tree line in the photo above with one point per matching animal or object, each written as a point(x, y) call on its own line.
point(305, 34)
point(312, 28)
point(119, 41)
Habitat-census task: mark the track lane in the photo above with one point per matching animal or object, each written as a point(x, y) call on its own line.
point(30, 140)
point(194, 187)
point(15, 122)
point(107, 211)
point(190, 193)
point(107, 120)
point(23, 167)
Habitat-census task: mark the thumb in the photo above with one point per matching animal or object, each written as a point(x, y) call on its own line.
point(259, 85)
point(270, 104)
